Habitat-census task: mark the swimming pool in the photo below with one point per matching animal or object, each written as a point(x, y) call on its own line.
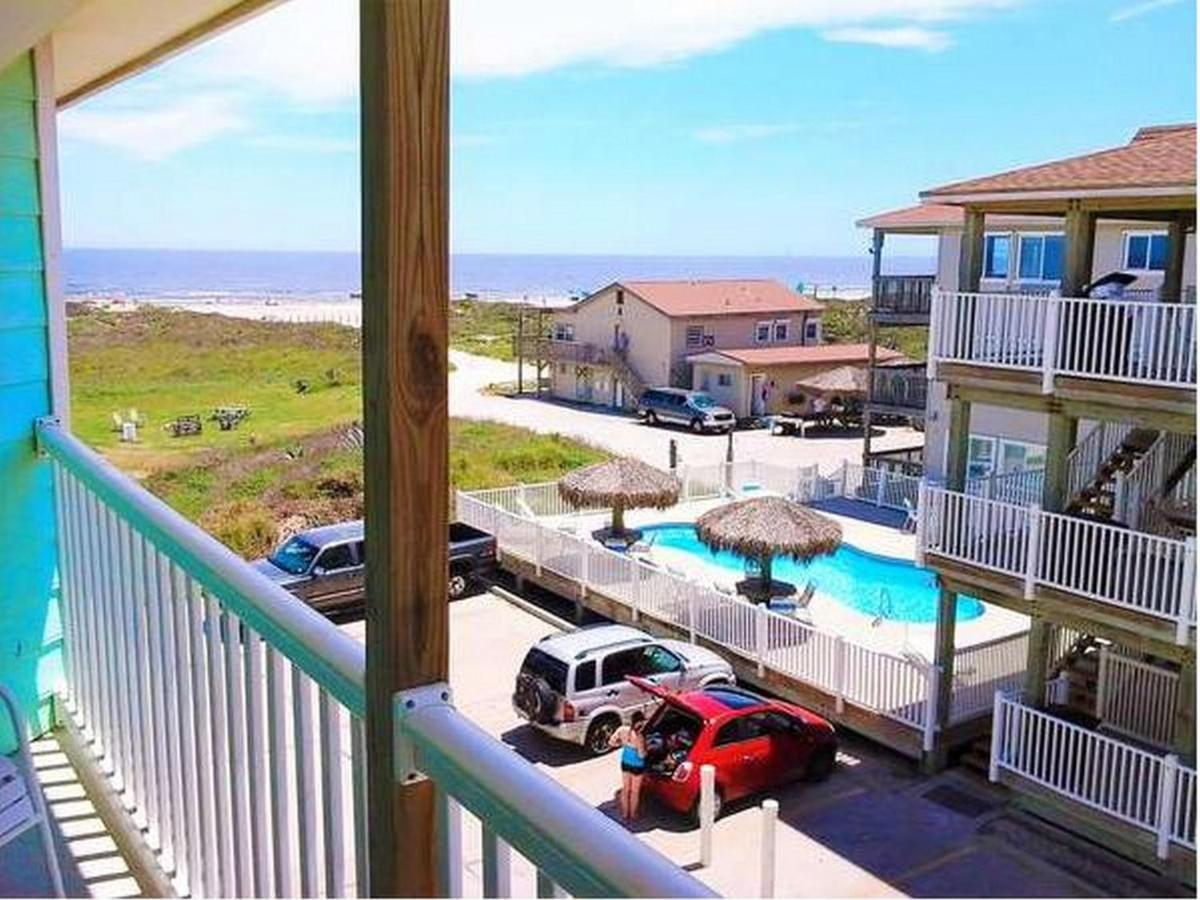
point(867, 583)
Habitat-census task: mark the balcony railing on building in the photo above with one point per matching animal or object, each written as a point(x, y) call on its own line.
point(899, 388)
point(227, 716)
point(1116, 340)
point(902, 295)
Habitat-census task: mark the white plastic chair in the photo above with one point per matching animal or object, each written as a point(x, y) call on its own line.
point(21, 803)
point(910, 518)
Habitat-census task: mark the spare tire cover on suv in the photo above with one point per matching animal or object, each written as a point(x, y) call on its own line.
point(536, 698)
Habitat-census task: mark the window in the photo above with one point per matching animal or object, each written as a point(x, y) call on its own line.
point(762, 332)
point(541, 664)
point(585, 676)
point(781, 329)
point(724, 379)
point(995, 255)
point(658, 660)
point(1146, 251)
point(334, 558)
point(981, 456)
point(812, 331)
point(617, 665)
point(989, 455)
point(1041, 257)
point(695, 335)
point(360, 550)
point(745, 728)
point(564, 331)
point(295, 556)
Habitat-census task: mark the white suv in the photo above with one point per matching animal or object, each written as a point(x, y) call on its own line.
point(574, 686)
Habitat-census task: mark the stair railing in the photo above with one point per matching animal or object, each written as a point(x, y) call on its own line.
point(1134, 491)
point(1086, 458)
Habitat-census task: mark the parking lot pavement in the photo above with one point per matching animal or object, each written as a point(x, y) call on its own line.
point(876, 827)
point(622, 433)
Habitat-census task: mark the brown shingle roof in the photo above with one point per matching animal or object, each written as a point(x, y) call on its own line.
point(933, 216)
point(721, 297)
point(821, 353)
point(1159, 156)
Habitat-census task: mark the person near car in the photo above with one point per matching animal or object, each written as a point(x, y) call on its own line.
point(632, 741)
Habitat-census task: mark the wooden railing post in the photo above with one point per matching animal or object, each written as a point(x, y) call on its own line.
point(839, 673)
point(760, 637)
point(1187, 600)
point(1167, 788)
point(997, 736)
point(1033, 534)
point(1050, 344)
point(404, 73)
point(936, 302)
point(931, 706)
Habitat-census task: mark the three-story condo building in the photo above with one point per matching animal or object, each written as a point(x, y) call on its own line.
point(1024, 347)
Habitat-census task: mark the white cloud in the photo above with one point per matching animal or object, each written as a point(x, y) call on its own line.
point(729, 134)
point(1141, 9)
point(154, 133)
point(908, 37)
point(305, 143)
point(308, 50)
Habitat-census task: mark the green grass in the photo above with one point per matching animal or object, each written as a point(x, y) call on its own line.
point(289, 466)
point(484, 328)
point(845, 322)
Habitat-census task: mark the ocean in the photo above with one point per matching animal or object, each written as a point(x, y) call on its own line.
point(189, 275)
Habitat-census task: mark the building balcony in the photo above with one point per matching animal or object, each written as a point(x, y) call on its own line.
point(1119, 785)
point(556, 350)
point(902, 299)
point(898, 390)
point(1131, 354)
point(228, 718)
point(1019, 556)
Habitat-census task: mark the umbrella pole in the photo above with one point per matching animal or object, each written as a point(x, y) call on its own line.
point(764, 566)
point(618, 518)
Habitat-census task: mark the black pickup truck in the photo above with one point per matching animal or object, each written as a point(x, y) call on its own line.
point(324, 566)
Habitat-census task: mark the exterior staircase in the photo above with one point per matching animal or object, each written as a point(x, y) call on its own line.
point(624, 372)
point(1096, 499)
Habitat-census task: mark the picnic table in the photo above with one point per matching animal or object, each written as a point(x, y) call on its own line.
point(184, 425)
point(229, 417)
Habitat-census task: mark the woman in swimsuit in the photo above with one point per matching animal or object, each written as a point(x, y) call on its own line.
point(633, 764)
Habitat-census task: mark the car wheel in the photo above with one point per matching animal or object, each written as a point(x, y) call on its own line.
point(697, 426)
point(458, 586)
point(599, 733)
point(820, 765)
point(542, 702)
point(651, 418)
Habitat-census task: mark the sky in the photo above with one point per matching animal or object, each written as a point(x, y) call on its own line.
point(707, 127)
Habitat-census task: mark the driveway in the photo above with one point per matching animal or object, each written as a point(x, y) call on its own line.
point(624, 434)
point(875, 828)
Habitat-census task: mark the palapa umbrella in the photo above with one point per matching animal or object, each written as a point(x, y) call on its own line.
point(845, 381)
point(621, 483)
point(762, 528)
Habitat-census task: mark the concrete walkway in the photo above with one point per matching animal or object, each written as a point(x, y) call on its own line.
point(624, 434)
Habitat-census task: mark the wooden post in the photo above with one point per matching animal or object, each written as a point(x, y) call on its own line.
point(1061, 430)
point(934, 756)
point(1172, 287)
point(520, 350)
point(958, 441)
point(970, 251)
point(1035, 662)
point(405, 92)
point(1079, 232)
point(1185, 712)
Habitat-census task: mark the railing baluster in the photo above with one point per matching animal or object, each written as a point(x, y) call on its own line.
point(210, 827)
point(281, 783)
point(332, 813)
point(256, 752)
point(304, 749)
point(358, 768)
point(233, 634)
point(181, 740)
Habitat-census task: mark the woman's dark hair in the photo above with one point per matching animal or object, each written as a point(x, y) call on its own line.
point(637, 719)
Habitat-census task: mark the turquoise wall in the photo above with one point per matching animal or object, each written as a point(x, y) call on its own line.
point(30, 637)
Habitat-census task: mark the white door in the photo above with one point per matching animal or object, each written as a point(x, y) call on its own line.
point(758, 403)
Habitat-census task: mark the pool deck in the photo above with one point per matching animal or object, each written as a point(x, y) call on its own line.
point(828, 614)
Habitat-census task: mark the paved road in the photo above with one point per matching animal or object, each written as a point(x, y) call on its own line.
point(621, 433)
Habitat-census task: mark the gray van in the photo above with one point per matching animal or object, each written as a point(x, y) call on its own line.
point(694, 409)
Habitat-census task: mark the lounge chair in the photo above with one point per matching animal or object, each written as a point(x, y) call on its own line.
point(805, 597)
point(724, 587)
point(22, 805)
point(910, 517)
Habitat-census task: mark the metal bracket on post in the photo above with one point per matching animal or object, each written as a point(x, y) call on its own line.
point(406, 704)
point(40, 423)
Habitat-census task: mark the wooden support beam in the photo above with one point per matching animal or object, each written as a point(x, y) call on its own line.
point(1185, 712)
point(958, 444)
point(970, 251)
point(1035, 662)
point(943, 653)
point(1079, 231)
point(1061, 431)
point(1172, 287)
point(405, 94)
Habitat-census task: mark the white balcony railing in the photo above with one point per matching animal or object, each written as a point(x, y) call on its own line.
point(1135, 786)
point(1136, 490)
point(228, 717)
point(1114, 340)
point(1145, 573)
point(1136, 698)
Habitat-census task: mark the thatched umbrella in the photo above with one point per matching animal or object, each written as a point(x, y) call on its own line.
point(621, 483)
point(844, 381)
point(762, 528)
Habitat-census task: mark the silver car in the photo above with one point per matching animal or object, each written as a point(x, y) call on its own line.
point(575, 686)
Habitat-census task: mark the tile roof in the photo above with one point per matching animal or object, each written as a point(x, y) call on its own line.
point(932, 216)
point(1158, 156)
point(721, 297)
point(821, 353)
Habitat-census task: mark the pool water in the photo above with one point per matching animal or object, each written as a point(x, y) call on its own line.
point(872, 585)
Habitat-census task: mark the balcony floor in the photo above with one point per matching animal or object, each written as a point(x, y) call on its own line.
point(91, 863)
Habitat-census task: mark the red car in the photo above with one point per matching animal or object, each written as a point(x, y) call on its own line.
point(753, 743)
